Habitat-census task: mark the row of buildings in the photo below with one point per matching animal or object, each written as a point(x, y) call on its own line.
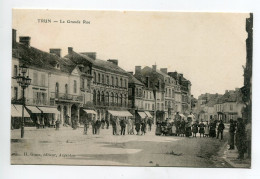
point(219, 106)
point(79, 84)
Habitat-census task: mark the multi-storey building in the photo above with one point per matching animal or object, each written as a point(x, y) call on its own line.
point(53, 86)
point(154, 84)
point(109, 85)
point(229, 106)
point(183, 89)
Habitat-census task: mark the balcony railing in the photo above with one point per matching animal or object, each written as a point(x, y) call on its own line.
point(109, 104)
point(40, 102)
point(66, 97)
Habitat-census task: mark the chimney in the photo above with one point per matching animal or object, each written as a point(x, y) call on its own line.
point(164, 70)
point(114, 61)
point(70, 50)
point(56, 51)
point(25, 40)
point(131, 73)
point(13, 38)
point(90, 54)
point(138, 69)
point(226, 91)
point(154, 67)
point(147, 82)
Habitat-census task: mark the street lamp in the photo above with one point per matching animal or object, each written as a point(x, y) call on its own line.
point(24, 81)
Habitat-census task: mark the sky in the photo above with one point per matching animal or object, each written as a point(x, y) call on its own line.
point(208, 48)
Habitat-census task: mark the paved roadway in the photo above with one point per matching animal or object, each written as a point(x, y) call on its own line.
point(71, 147)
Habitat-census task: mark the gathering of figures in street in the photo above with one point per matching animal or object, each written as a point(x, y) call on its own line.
point(180, 126)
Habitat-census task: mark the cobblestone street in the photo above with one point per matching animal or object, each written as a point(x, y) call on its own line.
point(67, 146)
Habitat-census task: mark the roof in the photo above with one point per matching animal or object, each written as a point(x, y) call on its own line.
point(82, 58)
point(132, 79)
point(230, 96)
point(37, 58)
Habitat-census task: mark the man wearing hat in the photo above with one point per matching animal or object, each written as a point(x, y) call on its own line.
point(221, 128)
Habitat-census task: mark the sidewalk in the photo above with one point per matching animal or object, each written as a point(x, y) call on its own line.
point(230, 156)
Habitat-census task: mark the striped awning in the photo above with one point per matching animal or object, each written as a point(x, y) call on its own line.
point(142, 114)
point(89, 111)
point(17, 110)
point(148, 114)
point(120, 113)
point(34, 109)
point(49, 110)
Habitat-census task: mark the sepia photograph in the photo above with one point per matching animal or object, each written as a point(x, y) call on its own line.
point(131, 88)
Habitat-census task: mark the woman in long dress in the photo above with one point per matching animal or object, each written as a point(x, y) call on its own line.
point(129, 126)
point(207, 129)
point(117, 126)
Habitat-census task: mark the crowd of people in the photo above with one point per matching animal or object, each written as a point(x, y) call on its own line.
point(120, 126)
point(239, 132)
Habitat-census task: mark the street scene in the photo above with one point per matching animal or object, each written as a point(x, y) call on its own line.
point(159, 107)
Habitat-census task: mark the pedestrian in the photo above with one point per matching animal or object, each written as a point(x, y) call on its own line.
point(86, 126)
point(201, 130)
point(137, 126)
point(117, 125)
point(123, 125)
point(232, 130)
point(93, 124)
point(174, 131)
point(57, 124)
point(143, 126)
point(182, 127)
point(150, 122)
point(107, 123)
point(195, 129)
point(129, 126)
point(132, 132)
point(98, 125)
point(221, 128)
point(103, 123)
point(188, 127)
point(113, 122)
point(241, 139)
point(37, 122)
point(212, 129)
point(178, 126)
point(207, 129)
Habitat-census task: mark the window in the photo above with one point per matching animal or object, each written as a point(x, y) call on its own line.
point(15, 70)
point(35, 78)
point(231, 107)
point(15, 93)
point(116, 81)
point(148, 106)
point(112, 97)
point(94, 97)
point(112, 80)
point(66, 89)
point(103, 79)
point(121, 82)
point(82, 83)
point(99, 78)
point(150, 95)
point(98, 97)
point(152, 106)
point(125, 84)
point(57, 89)
point(75, 86)
point(43, 79)
point(95, 77)
point(107, 79)
point(121, 99)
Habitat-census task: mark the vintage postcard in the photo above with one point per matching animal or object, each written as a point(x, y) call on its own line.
point(131, 88)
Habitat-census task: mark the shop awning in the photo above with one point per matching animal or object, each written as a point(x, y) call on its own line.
point(16, 111)
point(33, 109)
point(148, 114)
point(89, 111)
point(142, 114)
point(120, 113)
point(49, 110)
